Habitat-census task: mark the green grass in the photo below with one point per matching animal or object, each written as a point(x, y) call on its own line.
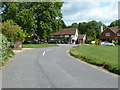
point(105, 56)
point(7, 57)
point(38, 45)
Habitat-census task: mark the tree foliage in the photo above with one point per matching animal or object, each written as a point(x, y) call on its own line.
point(92, 29)
point(41, 18)
point(4, 46)
point(115, 23)
point(12, 31)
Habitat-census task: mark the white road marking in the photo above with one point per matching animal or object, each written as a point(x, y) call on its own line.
point(44, 53)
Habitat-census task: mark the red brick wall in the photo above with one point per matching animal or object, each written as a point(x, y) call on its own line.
point(103, 34)
point(116, 34)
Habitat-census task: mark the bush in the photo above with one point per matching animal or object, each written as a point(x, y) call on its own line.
point(5, 51)
point(12, 31)
point(4, 46)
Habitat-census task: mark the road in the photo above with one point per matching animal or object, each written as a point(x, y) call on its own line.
point(53, 68)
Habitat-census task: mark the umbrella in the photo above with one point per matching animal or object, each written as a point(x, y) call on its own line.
point(52, 39)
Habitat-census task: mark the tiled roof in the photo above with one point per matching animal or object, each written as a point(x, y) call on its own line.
point(114, 29)
point(65, 32)
point(81, 36)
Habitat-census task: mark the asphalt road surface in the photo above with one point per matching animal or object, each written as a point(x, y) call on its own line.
point(53, 68)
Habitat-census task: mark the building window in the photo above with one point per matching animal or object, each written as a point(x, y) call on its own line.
point(118, 34)
point(72, 36)
point(107, 34)
point(66, 35)
point(61, 35)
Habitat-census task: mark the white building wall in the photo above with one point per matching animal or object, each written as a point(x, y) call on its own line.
point(75, 36)
point(84, 37)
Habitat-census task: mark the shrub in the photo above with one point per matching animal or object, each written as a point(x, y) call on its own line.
point(12, 31)
point(5, 51)
point(4, 45)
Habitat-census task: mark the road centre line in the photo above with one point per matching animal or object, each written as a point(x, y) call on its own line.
point(46, 51)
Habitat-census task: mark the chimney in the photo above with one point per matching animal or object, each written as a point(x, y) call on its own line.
point(101, 29)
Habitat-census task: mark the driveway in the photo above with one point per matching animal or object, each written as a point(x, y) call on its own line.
point(53, 68)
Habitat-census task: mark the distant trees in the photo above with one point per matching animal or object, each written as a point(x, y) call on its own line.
point(115, 23)
point(73, 25)
point(92, 29)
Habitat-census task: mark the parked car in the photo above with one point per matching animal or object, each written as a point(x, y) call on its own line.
point(106, 43)
point(52, 42)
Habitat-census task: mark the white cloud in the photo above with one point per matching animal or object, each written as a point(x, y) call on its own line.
point(86, 11)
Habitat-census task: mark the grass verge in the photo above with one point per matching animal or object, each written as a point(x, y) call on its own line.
point(104, 56)
point(6, 58)
point(38, 45)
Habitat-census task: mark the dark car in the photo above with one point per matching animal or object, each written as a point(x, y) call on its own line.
point(52, 42)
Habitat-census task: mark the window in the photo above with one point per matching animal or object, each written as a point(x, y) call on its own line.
point(72, 36)
point(107, 34)
point(61, 35)
point(118, 34)
point(66, 35)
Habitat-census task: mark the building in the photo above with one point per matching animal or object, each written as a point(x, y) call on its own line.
point(71, 35)
point(81, 39)
point(110, 33)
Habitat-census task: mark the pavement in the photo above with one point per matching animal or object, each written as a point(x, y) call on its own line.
point(52, 67)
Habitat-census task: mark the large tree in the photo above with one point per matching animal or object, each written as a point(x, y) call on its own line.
point(41, 18)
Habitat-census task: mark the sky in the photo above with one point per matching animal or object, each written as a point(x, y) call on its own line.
point(78, 11)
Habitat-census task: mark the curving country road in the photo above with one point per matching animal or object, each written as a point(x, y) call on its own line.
point(53, 68)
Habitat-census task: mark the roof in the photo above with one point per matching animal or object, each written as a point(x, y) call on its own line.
point(114, 29)
point(81, 36)
point(65, 32)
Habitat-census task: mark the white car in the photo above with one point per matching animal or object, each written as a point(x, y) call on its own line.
point(107, 43)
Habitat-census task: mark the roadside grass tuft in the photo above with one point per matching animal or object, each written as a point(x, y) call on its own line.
point(38, 45)
point(6, 58)
point(104, 56)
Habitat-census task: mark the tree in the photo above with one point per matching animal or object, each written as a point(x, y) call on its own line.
point(12, 31)
point(115, 23)
point(63, 24)
point(82, 27)
point(41, 18)
point(92, 29)
point(48, 16)
point(10, 11)
point(20, 13)
point(74, 25)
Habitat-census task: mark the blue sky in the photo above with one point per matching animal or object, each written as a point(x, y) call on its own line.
point(77, 11)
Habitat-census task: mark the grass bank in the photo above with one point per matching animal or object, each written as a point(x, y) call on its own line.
point(38, 45)
point(104, 56)
point(4, 59)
